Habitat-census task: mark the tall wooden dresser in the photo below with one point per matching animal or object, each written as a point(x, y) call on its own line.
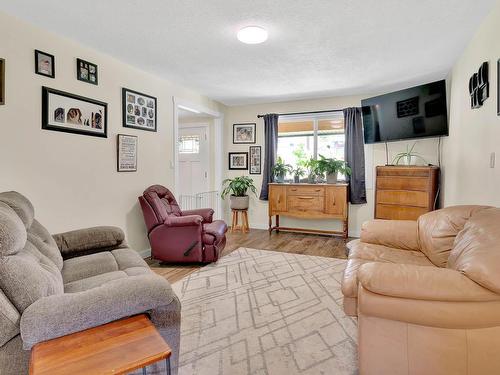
point(405, 192)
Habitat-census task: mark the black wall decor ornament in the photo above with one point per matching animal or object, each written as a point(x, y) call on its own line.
point(479, 86)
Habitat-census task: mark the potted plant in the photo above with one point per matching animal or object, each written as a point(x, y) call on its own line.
point(298, 172)
point(312, 170)
point(280, 170)
point(331, 167)
point(409, 157)
point(238, 188)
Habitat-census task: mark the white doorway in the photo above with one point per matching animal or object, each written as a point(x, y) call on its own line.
point(194, 159)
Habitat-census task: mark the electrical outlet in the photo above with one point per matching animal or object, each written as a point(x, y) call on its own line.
point(492, 160)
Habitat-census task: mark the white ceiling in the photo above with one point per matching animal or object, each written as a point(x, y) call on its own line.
point(316, 48)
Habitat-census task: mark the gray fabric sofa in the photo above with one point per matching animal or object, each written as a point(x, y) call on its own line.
point(51, 286)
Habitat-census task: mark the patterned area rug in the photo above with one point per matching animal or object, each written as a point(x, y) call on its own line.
point(262, 312)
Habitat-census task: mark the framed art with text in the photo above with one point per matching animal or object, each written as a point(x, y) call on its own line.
point(70, 113)
point(45, 64)
point(255, 160)
point(139, 110)
point(238, 160)
point(127, 153)
point(244, 133)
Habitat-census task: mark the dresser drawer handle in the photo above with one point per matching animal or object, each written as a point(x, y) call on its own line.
point(305, 197)
point(293, 189)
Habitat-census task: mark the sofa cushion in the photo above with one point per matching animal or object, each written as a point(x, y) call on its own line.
point(44, 242)
point(93, 281)
point(380, 253)
point(12, 231)
point(437, 231)
point(128, 258)
point(476, 252)
point(88, 266)
point(214, 232)
point(21, 205)
point(9, 319)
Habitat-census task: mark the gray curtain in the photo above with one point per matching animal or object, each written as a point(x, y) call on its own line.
point(355, 154)
point(270, 149)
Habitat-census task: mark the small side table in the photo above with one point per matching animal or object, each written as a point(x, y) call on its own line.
point(118, 347)
point(244, 227)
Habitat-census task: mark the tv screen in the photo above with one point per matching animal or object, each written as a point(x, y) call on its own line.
point(416, 112)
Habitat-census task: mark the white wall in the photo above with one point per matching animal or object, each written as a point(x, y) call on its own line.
point(72, 179)
point(374, 155)
point(474, 134)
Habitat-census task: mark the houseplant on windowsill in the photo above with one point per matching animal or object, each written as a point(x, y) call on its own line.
point(332, 167)
point(280, 170)
point(238, 188)
point(297, 174)
point(313, 171)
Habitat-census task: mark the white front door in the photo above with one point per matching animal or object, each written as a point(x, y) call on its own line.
point(194, 159)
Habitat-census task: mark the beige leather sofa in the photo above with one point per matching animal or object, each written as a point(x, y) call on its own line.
point(427, 293)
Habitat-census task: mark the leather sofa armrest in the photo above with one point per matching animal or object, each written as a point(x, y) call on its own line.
point(62, 314)
point(400, 234)
point(183, 221)
point(206, 213)
point(422, 283)
point(89, 240)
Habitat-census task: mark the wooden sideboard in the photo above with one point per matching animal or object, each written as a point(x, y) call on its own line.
point(405, 192)
point(309, 201)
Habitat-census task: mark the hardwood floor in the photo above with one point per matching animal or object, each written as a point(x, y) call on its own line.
point(308, 244)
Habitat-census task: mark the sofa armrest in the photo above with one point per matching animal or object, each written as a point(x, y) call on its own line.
point(183, 221)
point(422, 283)
point(206, 213)
point(89, 240)
point(62, 314)
point(400, 234)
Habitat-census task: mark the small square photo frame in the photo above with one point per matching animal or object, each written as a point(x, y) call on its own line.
point(45, 64)
point(244, 133)
point(126, 160)
point(86, 72)
point(238, 161)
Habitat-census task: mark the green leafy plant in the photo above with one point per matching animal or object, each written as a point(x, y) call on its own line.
point(408, 155)
point(237, 186)
point(298, 171)
point(333, 166)
point(280, 169)
point(300, 156)
point(312, 170)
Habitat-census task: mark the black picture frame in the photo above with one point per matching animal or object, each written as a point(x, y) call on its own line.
point(67, 127)
point(87, 72)
point(38, 69)
point(238, 168)
point(254, 167)
point(237, 134)
point(498, 87)
point(2, 81)
point(119, 139)
point(141, 102)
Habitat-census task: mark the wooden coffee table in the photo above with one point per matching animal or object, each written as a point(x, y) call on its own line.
point(114, 348)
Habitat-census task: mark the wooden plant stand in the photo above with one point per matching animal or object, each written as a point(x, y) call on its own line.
point(244, 227)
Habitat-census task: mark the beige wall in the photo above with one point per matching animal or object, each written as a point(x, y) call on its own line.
point(374, 155)
point(474, 134)
point(72, 179)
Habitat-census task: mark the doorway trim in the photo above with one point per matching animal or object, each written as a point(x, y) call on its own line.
point(218, 119)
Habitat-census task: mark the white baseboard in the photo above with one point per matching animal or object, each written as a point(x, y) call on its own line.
point(145, 253)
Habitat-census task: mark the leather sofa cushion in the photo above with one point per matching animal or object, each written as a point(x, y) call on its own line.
point(214, 232)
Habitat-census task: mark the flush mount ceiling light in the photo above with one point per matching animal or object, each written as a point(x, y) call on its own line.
point(252, 35)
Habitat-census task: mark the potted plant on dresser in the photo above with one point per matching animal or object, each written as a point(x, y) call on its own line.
point(280, 170)
point(237, 188)
point(332, 167)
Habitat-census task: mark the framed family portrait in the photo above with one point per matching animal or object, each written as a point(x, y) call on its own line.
point(45, 64)
point(65, 112)
point(255, 160)
point(244, 133)
point(238, 160)
point(139, 110)
point(2, 81)
point(127, 153)
point(86, 71)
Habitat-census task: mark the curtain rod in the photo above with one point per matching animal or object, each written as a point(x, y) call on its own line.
point(304, 113)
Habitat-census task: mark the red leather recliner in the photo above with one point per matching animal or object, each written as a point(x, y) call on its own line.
point(180, 236)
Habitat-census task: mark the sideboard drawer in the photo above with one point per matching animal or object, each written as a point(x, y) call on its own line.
point(402, 183)
point(306, 190)
point(306, 203)
point(403, 197)
point(392, 212)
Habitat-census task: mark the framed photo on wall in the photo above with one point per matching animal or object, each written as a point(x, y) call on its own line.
point(255, 160)
point(139, 110)
point(238, 160)
point(65, 112)
point(45, 64)
point(244, 133)
point(86, 71)
point(127, 153)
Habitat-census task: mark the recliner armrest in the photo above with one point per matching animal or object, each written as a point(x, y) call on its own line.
point(183, 221)
point(400, 234)
point(62, 314)
point(206, 213)
point(89, 240)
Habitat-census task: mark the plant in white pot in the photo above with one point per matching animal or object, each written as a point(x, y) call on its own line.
point(408, 157)
point(280, 170)
point(332, 167)
point(237, 188)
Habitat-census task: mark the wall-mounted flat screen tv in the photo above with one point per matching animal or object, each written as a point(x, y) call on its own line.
point(416, 112)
